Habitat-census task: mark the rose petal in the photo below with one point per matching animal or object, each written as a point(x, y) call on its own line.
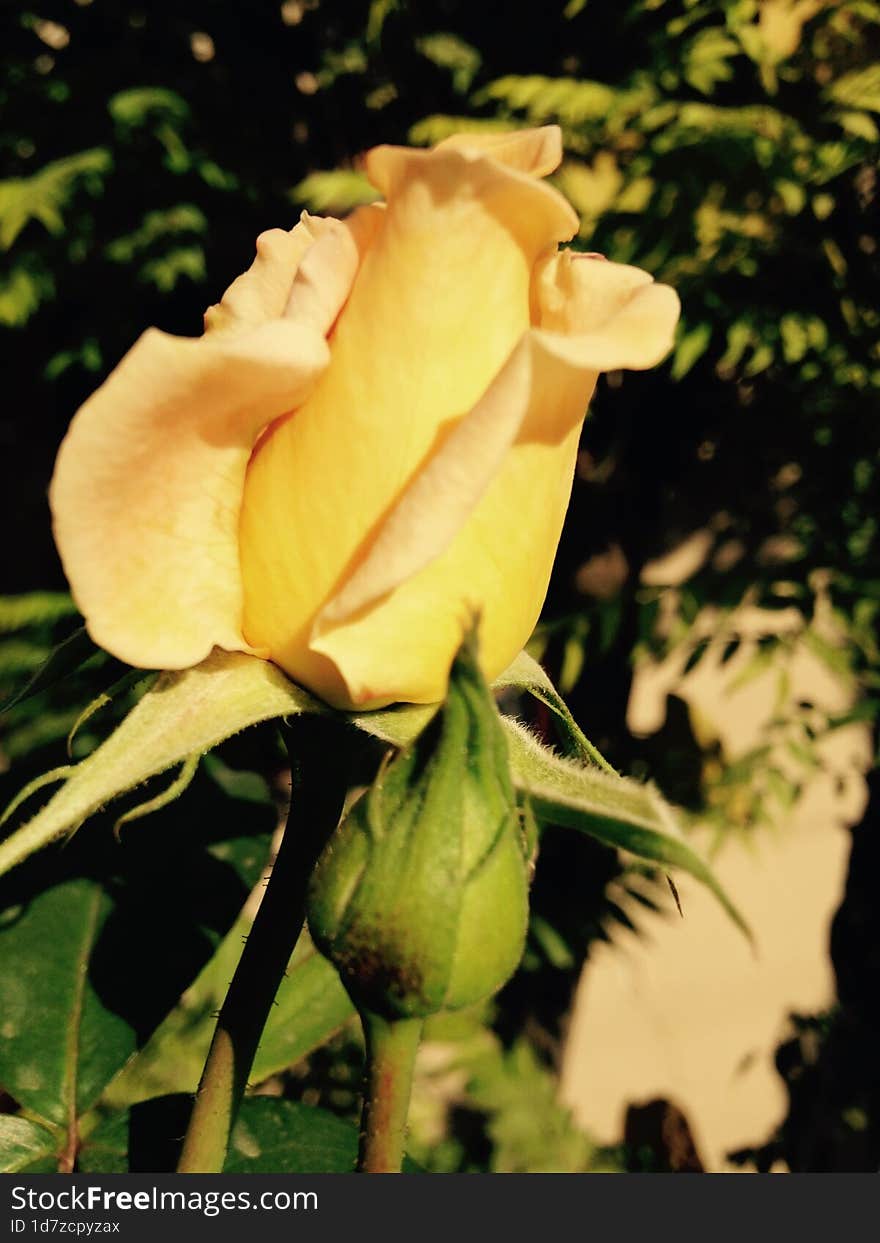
point(621, 317)
point(328, 267)
point(262, 291)
point(462, 168)
point(478, 526)
point(149, 479)
point(476, 529)
point(440, 300)
point(534, 151)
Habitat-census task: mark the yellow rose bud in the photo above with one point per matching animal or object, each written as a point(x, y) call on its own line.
point(375, 435)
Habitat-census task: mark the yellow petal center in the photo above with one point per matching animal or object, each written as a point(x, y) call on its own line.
point(440, 300)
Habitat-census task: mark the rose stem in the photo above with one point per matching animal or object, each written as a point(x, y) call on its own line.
point(391, 1054)
point(319, 751)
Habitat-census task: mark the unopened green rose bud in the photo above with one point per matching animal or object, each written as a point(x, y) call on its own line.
point(420, 898)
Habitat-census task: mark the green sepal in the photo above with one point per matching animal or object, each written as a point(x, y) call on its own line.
point(526, 675)
point(188, 713)
point(184, 714)
point(615, 810)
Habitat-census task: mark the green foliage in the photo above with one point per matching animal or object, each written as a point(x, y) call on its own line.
point(60, 1044)
point(36, 608)
point(157, 230)
point(530, 1131)
point(734, 159)
point(508, 1096)
point(450, 52)
point(310, 1007)
point(46, 194)
point(140, 106)
point(186, 715)
point(284, 1137)
point(26, 1147)
point(84, 1063)
point(336, 191)
point(22, 291)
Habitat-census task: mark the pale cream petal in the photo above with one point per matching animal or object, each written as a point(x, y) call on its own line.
point(264, 291)
point(621, 317)
point(534, 213)
point(327, 268)
point(534, 151)
point(148, 484)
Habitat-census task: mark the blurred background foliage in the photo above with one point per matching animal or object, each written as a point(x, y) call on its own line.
point(729, 147)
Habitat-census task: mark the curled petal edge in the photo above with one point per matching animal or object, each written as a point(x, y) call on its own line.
point(533, 151)
point(261, 293)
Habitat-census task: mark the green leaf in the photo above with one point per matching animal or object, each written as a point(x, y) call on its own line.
point(74, 651)
point(614, 810)
point(34, 608)
point(834, 657)
point(249, 787)
point(690, 348)
point(706, 60)
point(448, 51)
point(45, 194)
point(59, 1045)
point(157, 226)
point(530, 1129)
point(858, 89)
point(271, 1136)
point(26, 1147)
point(339, 189)
point(859, 124)
point(132, 680)
point(565, 100)
point(104, 1150)
point(310, 1007)
point(285, 1137)
point(24, 287)
point(183, 714)
point(376, 17)
point(138, 105)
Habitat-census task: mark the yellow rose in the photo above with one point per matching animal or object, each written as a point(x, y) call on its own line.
point(374, 437)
